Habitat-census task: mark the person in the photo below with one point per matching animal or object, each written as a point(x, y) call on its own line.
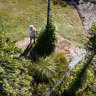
point(32, 31)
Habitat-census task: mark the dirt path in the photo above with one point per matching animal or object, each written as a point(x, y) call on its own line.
point(23, 43)
point(88, 13)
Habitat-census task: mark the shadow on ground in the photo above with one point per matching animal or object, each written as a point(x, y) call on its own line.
point(26, 51)
point(30, 53)
point(64, 3)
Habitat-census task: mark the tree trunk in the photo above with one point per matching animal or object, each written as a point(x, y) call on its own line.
point(48, 13)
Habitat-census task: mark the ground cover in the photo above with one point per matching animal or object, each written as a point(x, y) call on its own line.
point(17, 15)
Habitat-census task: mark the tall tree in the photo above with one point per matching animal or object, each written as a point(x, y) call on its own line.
point(48, 13)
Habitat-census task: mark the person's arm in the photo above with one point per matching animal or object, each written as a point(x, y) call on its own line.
point(35, 31)
point(29, 30)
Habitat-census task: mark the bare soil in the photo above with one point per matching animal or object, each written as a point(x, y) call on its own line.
point(23, 43)
point(73, 52)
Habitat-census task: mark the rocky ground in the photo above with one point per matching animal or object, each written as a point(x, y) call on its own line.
point(87, 13)
point(73, 52)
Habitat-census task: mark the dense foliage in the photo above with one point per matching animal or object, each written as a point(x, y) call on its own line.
point(46, 72)
point(93, 1)
point(92, 40)
point(14, 80)
point(81, 81)
point(46, 40)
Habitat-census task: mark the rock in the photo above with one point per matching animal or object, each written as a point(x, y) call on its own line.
point(88, 11)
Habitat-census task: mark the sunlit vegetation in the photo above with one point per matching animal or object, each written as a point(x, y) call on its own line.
point(19, 76)
point(14, 78)
point(25, 77)
point(47, 72)
point(92, 1)
point(17, 15)
point(83, 77)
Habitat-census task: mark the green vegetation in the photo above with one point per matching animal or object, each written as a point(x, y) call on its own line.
point(43, 70)
point(83, 77)
point(92, 40)
point(92, 1)
point(81, 80)
point(14, 78)
point(46, 40)
point(21, 77)
point(17, 15)
point(47, 72)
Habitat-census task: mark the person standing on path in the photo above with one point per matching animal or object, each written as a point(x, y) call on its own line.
point(32, 31)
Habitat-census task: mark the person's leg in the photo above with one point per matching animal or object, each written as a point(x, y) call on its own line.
point(30, 40)
point(34, 40)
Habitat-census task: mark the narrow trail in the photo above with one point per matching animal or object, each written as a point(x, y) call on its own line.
point(23, 43)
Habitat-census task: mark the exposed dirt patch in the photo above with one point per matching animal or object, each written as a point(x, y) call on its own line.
point(23, 43)
point(63, 46)
point(74, 53)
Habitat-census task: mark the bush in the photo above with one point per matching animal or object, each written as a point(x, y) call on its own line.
point(43, 70)
point(14, 80)
point(91, 45)
point(62, 67)
point(39, 90)
point(61, 2)
point(62, 64)
point(46, 40)
point(49, 71)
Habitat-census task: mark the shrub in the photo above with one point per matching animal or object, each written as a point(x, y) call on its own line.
point(46, 40)
point(49, 71)
point(39, 90)
point(14, 80)
point(61, 2)
point(62, 67)
point(43, 70)
point(92, 40)
point(61, 63)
